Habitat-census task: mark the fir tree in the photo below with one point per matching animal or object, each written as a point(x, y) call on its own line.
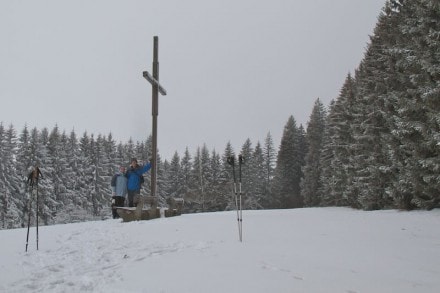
point(259, 178)
point(310, 183)
point(185, 167)
point(337, 149)
point(216, 191)
point(227, 153)
point(288, 170)
point(24, 153)
point(415, 139)
point(11, 204)
point(175, 177)
point(248, 174)
point(269, 156)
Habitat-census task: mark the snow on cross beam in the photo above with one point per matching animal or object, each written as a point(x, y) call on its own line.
point(153, 81)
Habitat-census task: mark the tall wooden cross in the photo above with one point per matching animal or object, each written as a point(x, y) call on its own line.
point(157, 88)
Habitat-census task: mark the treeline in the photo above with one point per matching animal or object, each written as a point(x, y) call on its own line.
point(380, 147)
point(77, 171)
point(377, 146)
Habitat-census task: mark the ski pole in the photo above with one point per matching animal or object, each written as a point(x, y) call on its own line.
point(29, 220)
point(240, 162)
point(231, 161)
point(37, 213)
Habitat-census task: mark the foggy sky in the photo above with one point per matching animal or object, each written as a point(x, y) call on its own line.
point(233, 69)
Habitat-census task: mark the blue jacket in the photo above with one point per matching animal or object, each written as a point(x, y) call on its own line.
point(119, 184)
point(134, 174)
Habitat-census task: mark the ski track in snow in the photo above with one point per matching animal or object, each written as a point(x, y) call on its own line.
point(81, 263)
point(47, 269)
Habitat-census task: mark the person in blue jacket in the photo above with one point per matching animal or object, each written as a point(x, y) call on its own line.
point(134, 174)
point(119, 188)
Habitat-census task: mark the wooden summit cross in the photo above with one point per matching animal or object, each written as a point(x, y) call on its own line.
point(157, 88)
point(130, 214)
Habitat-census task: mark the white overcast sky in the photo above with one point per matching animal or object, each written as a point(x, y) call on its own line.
point(233, 69)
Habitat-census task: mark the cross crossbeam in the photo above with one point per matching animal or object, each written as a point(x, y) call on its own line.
point(154, 82)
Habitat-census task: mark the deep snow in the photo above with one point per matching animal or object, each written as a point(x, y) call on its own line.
point(301, 250)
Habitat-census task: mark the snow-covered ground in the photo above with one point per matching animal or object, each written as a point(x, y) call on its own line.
point(302, 250)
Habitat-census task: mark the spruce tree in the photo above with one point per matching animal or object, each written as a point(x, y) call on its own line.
point(24, 153)
point(54, 173)
point(288, 170)
point(175, 177)
point(269, 155)
point(12, 202)
point(371, 127)
point(185, 166)
point(227, 153)
point(248, 175)
point(204, 170)
point(415, 145)
point(310, 183)
point(217, 196)
point(259, 175)
point(336, 171)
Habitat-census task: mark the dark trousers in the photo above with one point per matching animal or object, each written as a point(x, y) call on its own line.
point(131, 195)
point(119, 201)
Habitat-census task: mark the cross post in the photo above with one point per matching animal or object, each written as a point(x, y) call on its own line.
point(156, 88)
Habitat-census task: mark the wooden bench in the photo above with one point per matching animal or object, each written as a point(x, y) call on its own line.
point(139, 213)
point(175, 207)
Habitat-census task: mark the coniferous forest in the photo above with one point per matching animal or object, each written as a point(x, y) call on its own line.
point(376, 146)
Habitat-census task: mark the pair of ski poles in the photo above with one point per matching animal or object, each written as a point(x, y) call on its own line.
point(34, 186)
point(231, 161)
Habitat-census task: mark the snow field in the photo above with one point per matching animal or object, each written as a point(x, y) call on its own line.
point(302, 250)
